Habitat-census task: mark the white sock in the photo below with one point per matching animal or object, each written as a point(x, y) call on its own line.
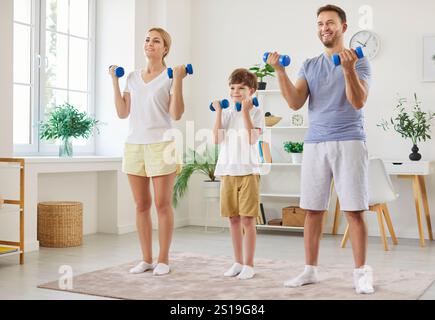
point(309, 276)
point(161, 269)
point(234, 270)
point(246, 273)
point(363, 280)
point(141, 267)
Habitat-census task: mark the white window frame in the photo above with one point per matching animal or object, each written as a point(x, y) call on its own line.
point(38, 146)
point(32, 148)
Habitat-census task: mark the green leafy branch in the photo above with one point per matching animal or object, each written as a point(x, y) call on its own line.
point(413, 125)
point(65, 121)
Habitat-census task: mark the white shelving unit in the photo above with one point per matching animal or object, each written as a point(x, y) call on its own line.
point(277, 188)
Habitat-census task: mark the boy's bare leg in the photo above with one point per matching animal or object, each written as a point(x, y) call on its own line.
point(250, 239)
point(237, 239)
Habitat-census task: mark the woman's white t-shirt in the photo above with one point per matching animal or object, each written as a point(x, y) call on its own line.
point(149, 109)
point(237, 157)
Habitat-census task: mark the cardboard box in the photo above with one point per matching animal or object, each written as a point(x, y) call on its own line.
point(293, 217)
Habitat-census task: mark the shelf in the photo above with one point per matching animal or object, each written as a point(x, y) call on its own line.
point(279, 195)
point(282, 164)
point(9, 209)
point(276, 91)
point(288, 127)
point(11, 253)
point(279, 228)
point(5, 166)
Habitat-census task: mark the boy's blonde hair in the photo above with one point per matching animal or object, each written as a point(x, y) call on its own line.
point(167, 40)
point(244, 76)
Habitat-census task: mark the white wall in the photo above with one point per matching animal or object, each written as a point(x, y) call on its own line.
point(6, 98)
point(218, 36)
point(115, 31)
point(228, 34)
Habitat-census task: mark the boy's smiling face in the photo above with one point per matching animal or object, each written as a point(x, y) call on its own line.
point(240, 92)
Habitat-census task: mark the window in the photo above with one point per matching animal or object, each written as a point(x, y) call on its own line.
point(58, 70)
point(24, 89)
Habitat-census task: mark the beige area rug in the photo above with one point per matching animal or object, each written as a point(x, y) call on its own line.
point(200, 277)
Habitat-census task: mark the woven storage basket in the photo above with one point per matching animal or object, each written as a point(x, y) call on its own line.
point(60, 224)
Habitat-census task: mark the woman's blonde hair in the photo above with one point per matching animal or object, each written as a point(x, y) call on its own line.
point(167, 40)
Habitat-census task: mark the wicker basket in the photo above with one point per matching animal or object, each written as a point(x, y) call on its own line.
point(271, 121)
point(60, 224)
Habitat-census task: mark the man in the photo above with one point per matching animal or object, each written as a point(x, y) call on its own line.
point(335, 145)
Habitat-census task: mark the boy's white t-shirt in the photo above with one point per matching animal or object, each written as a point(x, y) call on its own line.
point(237, 157)
point(149, 109)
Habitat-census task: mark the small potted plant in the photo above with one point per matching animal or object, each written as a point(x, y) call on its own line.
point(66, 122)
point(203, 163)
point(295, 149)
point(262, 71)
point(414, 126)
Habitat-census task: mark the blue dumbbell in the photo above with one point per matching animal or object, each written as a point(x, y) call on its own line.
point(254, 102)
point(189, 70)
point(284, 60)
point(224, 105)
point(119, 72)
point(336, 57)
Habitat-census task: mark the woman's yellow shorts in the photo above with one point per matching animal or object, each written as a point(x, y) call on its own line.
point(151, 160)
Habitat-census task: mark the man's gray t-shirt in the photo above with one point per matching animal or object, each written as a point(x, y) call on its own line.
point(332, 117)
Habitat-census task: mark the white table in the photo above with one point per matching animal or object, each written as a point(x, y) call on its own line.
point(416, 171)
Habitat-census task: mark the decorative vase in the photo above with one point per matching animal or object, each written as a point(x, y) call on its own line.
point(262, 85)
point(415, 156)
point(66, 148)
point(296, 158)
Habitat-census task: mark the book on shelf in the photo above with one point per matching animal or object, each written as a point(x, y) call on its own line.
point(5, 250)
point(264, 149)
point(262, 215)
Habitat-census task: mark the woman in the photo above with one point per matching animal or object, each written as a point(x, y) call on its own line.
point(151, 100)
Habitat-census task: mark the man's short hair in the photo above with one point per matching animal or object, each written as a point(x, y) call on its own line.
point(331, 7)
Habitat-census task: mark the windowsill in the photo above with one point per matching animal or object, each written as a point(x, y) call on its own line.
point(77, 159)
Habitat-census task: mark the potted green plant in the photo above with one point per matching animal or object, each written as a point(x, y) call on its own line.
point(295, 149)
point(203, 163)
point(413, 125)
point(262, 71)
point(66, 122)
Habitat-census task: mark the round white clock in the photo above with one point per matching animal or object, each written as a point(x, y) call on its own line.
point(368, 41)
point(297, 120)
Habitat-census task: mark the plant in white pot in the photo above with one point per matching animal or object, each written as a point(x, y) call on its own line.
point(296, 150)
point(203, 163)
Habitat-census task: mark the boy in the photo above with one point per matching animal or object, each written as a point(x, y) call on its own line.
point(239, 168)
